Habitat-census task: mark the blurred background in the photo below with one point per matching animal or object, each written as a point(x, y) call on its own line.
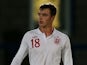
point(20, 16)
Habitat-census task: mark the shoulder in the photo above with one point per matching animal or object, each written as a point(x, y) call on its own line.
point(63, 37)
point(61, 34)
point(30, 33)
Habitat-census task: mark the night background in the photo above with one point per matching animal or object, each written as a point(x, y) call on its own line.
point(16, 19)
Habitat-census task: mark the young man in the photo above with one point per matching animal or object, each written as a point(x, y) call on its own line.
point(45, 45)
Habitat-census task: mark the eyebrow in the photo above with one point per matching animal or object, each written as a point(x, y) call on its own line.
point(44, 14)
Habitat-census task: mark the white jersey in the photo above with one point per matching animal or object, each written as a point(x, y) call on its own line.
point(44, 50)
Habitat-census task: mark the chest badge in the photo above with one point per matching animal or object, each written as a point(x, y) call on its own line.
point(56, 40)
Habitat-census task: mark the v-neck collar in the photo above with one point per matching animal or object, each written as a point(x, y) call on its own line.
point(38, 30)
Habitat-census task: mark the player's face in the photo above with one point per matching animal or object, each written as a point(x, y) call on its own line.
point(45, 18)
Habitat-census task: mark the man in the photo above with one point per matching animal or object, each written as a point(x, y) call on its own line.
point(45, 45)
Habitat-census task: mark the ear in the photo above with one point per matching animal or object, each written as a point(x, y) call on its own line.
point(52, 18)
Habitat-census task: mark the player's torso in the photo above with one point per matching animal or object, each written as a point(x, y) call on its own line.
point(42, 48)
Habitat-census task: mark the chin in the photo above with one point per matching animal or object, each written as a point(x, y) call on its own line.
point(41, 26)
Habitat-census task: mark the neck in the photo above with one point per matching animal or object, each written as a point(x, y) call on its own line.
point(48, 31)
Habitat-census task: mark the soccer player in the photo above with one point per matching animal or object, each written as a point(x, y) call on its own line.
point(45, 45)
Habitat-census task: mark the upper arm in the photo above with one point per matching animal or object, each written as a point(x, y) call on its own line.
point(67, 53)
point(22, 52)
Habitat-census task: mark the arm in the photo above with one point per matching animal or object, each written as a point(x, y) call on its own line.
point(22, 52)
point(66, 53)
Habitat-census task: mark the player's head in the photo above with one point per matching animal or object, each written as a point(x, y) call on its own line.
point(46, 15)
point(49, 6)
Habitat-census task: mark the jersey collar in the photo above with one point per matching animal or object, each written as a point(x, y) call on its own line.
point(39, 32)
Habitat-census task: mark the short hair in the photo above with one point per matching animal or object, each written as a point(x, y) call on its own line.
point(49, 6)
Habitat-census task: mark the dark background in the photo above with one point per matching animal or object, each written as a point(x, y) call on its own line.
point(15, 21)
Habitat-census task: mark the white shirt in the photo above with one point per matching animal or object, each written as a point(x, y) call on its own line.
point(44, 50)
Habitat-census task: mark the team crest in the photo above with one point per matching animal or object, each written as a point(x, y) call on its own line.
point(56, 40)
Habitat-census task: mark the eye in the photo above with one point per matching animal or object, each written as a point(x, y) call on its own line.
point(39, 14)
point(45, 14)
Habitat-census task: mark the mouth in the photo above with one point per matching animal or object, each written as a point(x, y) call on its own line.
point(41, 22)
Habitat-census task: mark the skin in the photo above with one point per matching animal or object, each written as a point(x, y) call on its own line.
point(45, 20)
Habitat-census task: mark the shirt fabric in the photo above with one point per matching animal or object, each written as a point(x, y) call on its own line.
point(44, 50)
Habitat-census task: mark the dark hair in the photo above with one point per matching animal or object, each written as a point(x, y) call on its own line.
point(49, 6)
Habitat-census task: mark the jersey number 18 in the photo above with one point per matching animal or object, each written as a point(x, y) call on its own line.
point(35, 43)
